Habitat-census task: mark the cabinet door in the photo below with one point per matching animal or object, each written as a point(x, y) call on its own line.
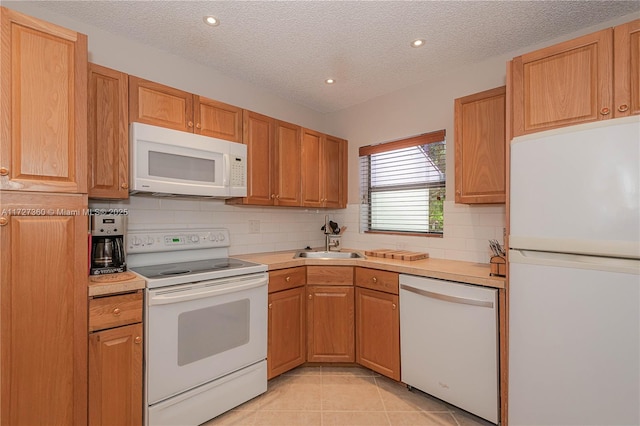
point(286, 344)
point(43, 80)
point(115, 376)
point(258, 132)
point(43, 339)
point(627, 68)
point(217, 120)
point(287, 164)
point(312, 172)
point(564, 84)
point(335, 172)
point(330, 324)
point(480, 147)
point(108, 138)
point(160, 105)
point(378, 332)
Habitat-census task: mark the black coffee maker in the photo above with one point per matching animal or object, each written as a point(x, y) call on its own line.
point(107, 244)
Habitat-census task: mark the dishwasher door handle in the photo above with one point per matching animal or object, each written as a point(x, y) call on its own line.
point(447, 298)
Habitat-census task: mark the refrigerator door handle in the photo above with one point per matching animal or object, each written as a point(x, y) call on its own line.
point(447, 298)
point(610, 264)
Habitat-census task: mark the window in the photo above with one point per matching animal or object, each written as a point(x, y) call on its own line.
point(402, 185)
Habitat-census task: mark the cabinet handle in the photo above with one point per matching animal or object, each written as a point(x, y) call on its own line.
point(190, 124)
point(310, 296)
point(458, 192)
point(623, 107)
point(116, 312)
point(278, 197)
point(374, 279)
point(393, 306)
point(287, 279)
point(3, 221)
point(4, 171)
point(124, 185)
point(273, 196)
point(137, 340)
point(198, 126)
point(605, 111)
point(270, 305)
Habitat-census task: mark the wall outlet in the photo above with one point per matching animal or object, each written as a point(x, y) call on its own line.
point(254, 226)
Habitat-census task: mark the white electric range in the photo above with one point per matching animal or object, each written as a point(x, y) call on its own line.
point(205, 324)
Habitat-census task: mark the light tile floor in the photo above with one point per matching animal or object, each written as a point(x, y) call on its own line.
point(349, 396)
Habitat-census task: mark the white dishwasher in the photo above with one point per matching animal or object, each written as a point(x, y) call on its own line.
point(449, 342)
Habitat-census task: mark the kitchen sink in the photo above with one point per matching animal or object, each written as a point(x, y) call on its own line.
point(328, 255)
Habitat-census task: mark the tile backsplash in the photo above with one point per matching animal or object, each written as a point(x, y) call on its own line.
point(264, 229)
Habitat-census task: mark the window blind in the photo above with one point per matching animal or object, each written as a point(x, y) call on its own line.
point(402, 185)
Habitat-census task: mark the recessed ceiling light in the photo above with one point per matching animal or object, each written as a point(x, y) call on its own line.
point(418, 42)
point(329, 81)
point(211, 20)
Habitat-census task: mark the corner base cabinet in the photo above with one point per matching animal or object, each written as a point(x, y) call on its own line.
point(330, 314)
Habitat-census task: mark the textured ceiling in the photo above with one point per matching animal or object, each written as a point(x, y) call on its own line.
point(291, 47)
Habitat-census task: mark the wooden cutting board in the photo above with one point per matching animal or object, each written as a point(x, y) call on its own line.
point(397, 254)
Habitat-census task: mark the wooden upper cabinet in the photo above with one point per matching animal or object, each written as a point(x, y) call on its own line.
point(258, 134)
point(564, 84)
point(217, 120)
point(312, 166)
point(480, 147)
point(160, 105)
point(108, 137)
point(335, 172)
point(626, 56)
point(287, 164)
point(324, 170)
point(43, 84)
point(164, 106)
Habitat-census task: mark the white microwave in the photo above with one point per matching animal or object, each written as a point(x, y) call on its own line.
point(171, 162)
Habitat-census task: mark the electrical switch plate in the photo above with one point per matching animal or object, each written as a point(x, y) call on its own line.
point(254, 226)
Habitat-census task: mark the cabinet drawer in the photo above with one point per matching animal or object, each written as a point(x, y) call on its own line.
point(377, 280)
point(114, 311)
point(284, 279)
point(330, 275)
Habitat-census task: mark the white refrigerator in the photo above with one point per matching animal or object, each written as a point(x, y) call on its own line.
point(574, 276)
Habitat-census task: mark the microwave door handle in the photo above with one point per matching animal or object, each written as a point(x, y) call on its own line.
point(226, 170)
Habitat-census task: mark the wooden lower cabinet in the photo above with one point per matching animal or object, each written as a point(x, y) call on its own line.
point(330, 324)
point(378, 332)
point(43, 311)
point(286, 331)
point(115, 376)
point(115, 360)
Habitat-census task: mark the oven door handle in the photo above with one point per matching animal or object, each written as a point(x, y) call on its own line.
point(202, 291)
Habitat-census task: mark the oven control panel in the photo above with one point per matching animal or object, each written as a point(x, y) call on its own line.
point(146, 241)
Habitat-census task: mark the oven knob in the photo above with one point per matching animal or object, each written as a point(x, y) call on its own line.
point(136, 241)
point(221, 237)
point(195, 239)
point(150, 241)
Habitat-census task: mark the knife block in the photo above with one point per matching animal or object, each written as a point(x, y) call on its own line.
point(498, 266)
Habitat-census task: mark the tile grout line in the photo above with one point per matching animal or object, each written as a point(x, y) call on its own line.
point(386, 413)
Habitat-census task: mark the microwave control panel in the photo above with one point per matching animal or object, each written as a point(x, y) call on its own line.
point(238, 171)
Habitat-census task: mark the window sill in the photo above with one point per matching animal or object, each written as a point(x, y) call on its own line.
point(409, 234)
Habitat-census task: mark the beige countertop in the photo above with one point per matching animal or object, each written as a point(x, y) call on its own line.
point(124, 282)
point(452, 270)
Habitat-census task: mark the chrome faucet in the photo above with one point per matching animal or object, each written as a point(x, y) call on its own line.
point(327, 232)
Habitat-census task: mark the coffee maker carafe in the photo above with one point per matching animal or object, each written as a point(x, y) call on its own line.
point(107, 244)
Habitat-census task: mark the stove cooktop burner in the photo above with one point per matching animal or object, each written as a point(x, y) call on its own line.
point(190, 268)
